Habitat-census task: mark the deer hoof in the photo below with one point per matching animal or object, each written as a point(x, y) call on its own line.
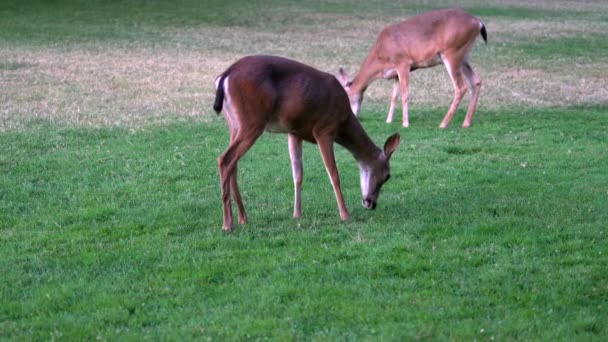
point(344, 217)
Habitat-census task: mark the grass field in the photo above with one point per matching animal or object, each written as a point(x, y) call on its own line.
point(110, 218)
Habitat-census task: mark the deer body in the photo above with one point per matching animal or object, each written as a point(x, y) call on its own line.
point(423, 41)
point(268, 93)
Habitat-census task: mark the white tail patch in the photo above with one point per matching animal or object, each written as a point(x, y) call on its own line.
point(217, 81)
point(231, 119)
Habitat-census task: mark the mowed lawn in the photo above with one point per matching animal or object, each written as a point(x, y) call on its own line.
point(110, 214)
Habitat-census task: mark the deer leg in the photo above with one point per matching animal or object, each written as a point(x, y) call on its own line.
point(225, 190)
point(454, 68)
point(327, 153)
point(403, 77)
point(295, 155)
point(236, 196)
point(234, 187)
point(227, 165)
point(474, 84)
point(391, 108)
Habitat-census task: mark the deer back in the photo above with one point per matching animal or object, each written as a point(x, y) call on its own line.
point(287, 96)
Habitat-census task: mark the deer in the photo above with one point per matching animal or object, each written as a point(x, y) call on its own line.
point(279, 95)
point(444, 36)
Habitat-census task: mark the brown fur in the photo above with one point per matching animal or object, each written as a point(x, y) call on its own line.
point(275, 94)
point(423, 41)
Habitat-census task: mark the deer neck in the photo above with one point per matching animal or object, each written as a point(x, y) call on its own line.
point(357, 142)
point(370, 71)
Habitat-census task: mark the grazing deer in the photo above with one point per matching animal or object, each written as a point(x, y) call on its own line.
point(279, 95)
point(423, 41)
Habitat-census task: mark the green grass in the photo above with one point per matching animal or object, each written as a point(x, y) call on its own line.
point(591, 46)
point(105, 20)
point(497, 231)
point(110, 214)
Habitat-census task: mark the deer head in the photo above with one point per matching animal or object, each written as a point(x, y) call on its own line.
point(355, 98)
point(375, 173)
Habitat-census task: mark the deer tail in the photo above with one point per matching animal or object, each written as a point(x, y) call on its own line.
point(219, 93)
point(483, 32)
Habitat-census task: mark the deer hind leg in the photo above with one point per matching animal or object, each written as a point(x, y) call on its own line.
point(404, 77)
point(474, 84)
point(327, 153)
point(227, 165)
point(233, 127)
point(454, 68)
point(236, 196)
point(295, 155)
point(391, 108)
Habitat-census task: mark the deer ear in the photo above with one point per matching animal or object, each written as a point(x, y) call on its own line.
point(391, 144)
point(342, 77)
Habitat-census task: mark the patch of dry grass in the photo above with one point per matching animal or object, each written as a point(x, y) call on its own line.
point(112, 87)
point(130, 84)
point(568, 6)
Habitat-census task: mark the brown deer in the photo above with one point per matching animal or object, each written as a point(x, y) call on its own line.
point(268, 93)
point(423, 41)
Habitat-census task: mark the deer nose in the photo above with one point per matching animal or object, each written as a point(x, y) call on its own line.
point(368, 204)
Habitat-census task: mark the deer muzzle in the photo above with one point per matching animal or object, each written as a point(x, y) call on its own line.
point(368, 204)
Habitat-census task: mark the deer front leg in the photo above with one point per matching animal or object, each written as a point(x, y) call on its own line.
point(391, 108)
point(404, 75)
point(327, 153)
point(295, 156)
point(453, 67)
